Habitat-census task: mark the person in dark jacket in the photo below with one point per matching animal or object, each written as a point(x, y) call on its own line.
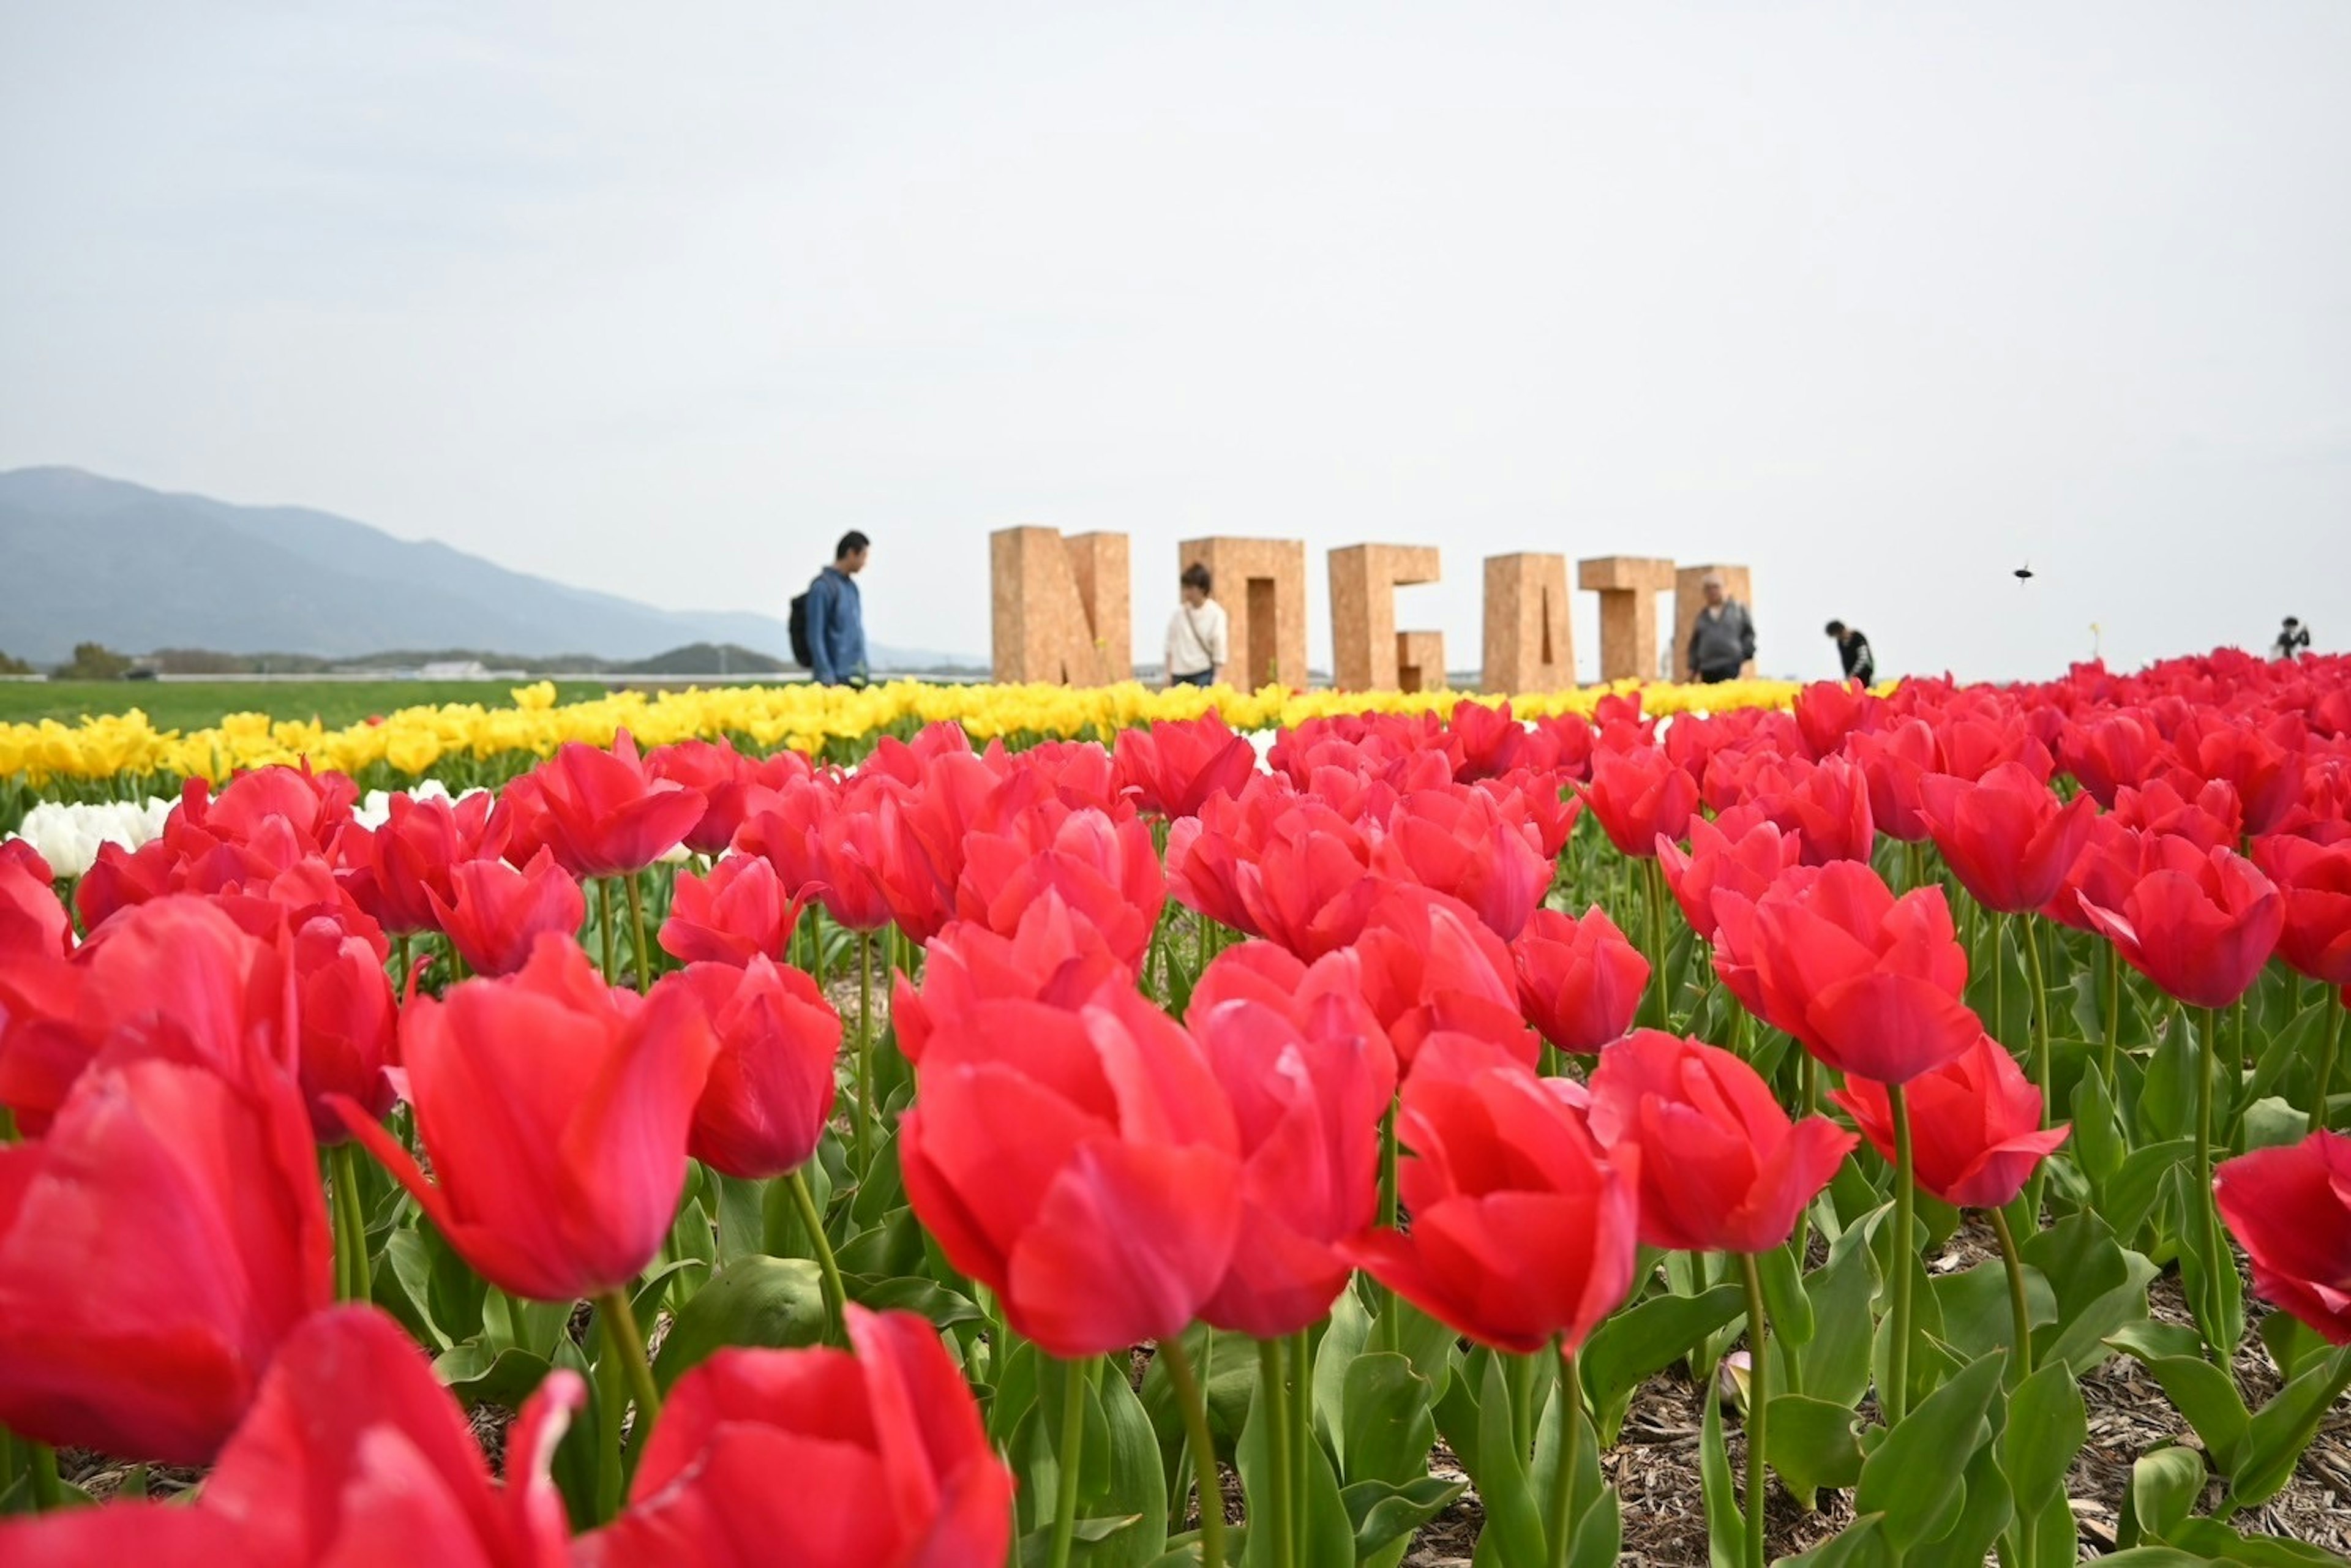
point(1853, 648)
point(1723, 638)
point(2291, 641)
point(836, 616)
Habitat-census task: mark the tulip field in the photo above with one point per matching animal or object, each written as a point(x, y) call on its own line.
point(1015, 1127)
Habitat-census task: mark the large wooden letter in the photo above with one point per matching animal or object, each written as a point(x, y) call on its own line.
point(1262, 583)
point(1689, 598)
point(1528, 645)
point(1420, 661)
point(1628, 586)
point(1061, 607)
point(1364, 580)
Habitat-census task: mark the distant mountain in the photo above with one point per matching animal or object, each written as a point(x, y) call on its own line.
point(86, 558)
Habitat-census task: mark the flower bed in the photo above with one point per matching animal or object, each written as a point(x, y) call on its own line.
point(1186, 1149)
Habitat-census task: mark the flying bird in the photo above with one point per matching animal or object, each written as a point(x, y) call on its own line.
point(2024, 572)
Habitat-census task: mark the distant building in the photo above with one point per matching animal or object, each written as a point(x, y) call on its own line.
point(454, 670)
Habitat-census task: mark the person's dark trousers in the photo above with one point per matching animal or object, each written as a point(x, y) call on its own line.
point(1196, 678)
point(1716, 677)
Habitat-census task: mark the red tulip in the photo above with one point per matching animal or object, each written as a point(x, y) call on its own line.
point(2005, 837)
point(2266, 776)
point(2104, 757)
point(1306, 1097)
point(764, 1106)
point(1083, 1166)
point(2103, 873)
point(1975, 1125)
point(1108, 873)
point(1325, 998)
point(2316, 881)
point(1894, 760)
point(2200, 925)
point(1205, 854)
point(1053, 956)
point(31, 918)
point(1456, 841)
point(1828, 711)
point(554, 1112)
point(731, 785)
point(1971, 747)
point(1739, 851)
point(1521, 1231)
point(178, 972)
point(852, 855)
point(122, 878)
point(1431, 965)
point(1721, 1167)
point(411, 856)
point(2207, 815)
point(739, 912)
point(1175, 766)
point(156, 1245)
point(496, 915)
point(1309, 888)
point(1487, 742)
point(1638, 795)
point(784, 831)
point(1828, 805)
point(349, 1025)
point(1580, 982)
point(1535, 801)
point(2290, 1209)
point(817, 1458)
point(600, 811)
point(1868, 983)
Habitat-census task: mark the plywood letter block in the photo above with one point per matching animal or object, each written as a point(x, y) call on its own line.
point(1262, 583)
point(1528, 645)
point(1364, 580)
point(1420, 661)
point(1628, 586)
point(1061, 608)
point(1689, 598)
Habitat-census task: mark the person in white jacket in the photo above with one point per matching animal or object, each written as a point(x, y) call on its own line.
point(1196, 633)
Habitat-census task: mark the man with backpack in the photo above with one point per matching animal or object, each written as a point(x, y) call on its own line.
point(828, 621)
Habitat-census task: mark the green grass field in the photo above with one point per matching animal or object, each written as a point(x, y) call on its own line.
point(196, 705)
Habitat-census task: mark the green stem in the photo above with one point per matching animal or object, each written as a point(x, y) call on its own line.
point(1524, 1370)
point(1999, 924)
point(1571, 1444)
point(1075, 1377)
point(2019, 1312)
point(353, 1280)
point(2326, 1060)
point(1896, 1398)
point(864, 1049)
point(2043, 1051)
point(1273, 1388)
point(48, 1491)
point(611, 1383)
point(2206, 1054)
point(1301, 1428)
point(836, 1298)
point(627, 1343)
point(401, 966)
point(2113, 1011)
point(1194, 1405)
point(134, 1482)
point(644, 956)
point(1758, 1404)
point(604, 923)
point(1654, 881)
point(1391, 1332)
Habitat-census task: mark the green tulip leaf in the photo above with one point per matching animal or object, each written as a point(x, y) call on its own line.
point(1916, 1477)
point(1726, 1526)
point(2199, 1390)
point(1785, 1301)
point(776, 1302)
point(1812, 1444)
point(1384, 1512)
point(2281, 1429)
point(2163, 1488)
point(1389, 1429)
point(1634, 1344)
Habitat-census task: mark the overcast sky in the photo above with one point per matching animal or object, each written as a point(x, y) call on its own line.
point(1883, 300)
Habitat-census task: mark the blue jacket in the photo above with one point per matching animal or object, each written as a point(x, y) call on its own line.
point(836, 627)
